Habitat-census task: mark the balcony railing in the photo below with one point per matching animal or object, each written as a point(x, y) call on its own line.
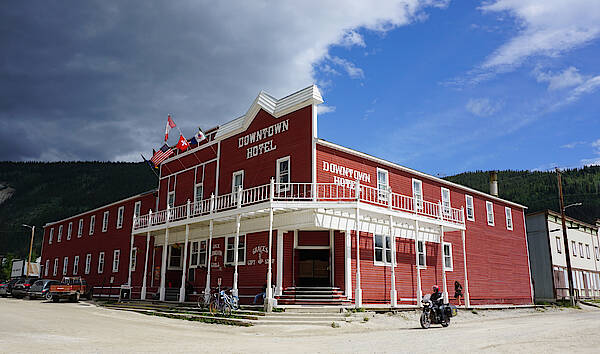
point(299, 192)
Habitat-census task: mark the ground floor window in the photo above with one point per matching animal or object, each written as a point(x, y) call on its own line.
point(65, 265)
point(230, 247)
point(75, 265)
point(88, 263)
point(101, 263)
point(382, 246)
point(55, 270)
point(421, 253)
point(46, 267)
point(447, 247)
point(174, 257)
point(116, 259)
point(133, 258)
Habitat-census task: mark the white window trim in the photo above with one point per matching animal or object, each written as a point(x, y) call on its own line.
point(286, 187)
point(65, 266)
point(92, 224)
point(227, 262)
point(558, 246)
point(192, 255)
point(51, 236)
point(137, 209)
point(487, 213)
point(587, 251)
point(169, 266)
point(116, 262)
point(120, 216)
point(196, 192)
point(240, 172)
point(88, 263)
point(581, 250)
point(172, 193)
point(467, 197)
point(382, 194)
point(508, 213)
point(597, 252)
point(419, 206)
point(69, 230)
point(574, 247)
point(424, 254)
point(386, 262)
point(101, 263)
point(76, 265)
point(55, 269)
point(133, 260)
point(105, 218)
point(451, 268)
point(46, 267)
point(59, 235)
point(80, 228)
point(447, 210)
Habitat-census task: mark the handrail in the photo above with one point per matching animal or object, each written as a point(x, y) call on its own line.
point(295, 192)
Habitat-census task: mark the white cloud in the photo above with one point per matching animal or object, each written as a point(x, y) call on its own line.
point(352, 38)
point(352, 70)
point(568, 78)
point(591, 162)
point(588, 86)
point(547, 27)
point(483, 107)
point(323, 109)
point(572, 145)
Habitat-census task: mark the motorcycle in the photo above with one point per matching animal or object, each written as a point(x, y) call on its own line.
point(430, 315)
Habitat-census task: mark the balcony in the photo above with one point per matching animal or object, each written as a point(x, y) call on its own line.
point(304, 195)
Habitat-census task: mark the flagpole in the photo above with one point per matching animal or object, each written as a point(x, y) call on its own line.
point(146, 161)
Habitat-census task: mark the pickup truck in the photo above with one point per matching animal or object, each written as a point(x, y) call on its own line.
point(71, 288)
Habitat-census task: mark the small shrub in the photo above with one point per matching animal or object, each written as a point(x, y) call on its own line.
point(366, 319)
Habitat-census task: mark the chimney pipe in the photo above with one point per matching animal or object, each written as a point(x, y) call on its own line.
point(494, 183)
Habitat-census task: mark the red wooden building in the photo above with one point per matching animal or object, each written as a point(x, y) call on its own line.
point(267, 173)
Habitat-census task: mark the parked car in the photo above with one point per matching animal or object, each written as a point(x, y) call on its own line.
point(41, 289)
point(71, 288)
point(21, 287)
point(6, 287)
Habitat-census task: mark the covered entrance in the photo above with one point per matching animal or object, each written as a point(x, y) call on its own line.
point(313, 268)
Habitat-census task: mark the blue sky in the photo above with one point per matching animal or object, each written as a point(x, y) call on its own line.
point(442, 86)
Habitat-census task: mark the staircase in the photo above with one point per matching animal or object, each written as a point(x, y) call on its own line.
point(321, 296)
point(172, 294)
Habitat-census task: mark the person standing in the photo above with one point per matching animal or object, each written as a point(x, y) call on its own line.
point(458, 291)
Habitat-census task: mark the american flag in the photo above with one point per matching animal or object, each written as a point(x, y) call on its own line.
point(162, 154)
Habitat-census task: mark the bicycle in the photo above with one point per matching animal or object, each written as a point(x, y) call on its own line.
point(220, 302)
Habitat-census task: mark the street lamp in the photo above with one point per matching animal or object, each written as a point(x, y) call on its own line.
point(30, 247)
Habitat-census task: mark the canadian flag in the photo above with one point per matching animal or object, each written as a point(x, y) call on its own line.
point(182, 144)
point(170, 124)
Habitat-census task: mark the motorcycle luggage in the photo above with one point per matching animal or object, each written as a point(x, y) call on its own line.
point(453, 310)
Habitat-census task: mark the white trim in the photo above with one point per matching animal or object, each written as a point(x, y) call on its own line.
point(169, 266)
point(509, 218)
point(55, 267)
point(59, 235)
point(451, 268)
point(419, 206)
point(69, 230)
point(46, 267)
point(424, 252)
point(75, 265)
point(101, 260)
point(384, 262)
point(51, 235)
point(232, 237)
point(445, 210)
point(233, 175)
point(88, 263)
point(196, 185)
point(116, 262)
point(136, 212)
point(120, 216)
point(65, 266)
point(282, 188)
point(169, 194)
point(467, 197)
point(92, 224)
point(487, 212)
point(80, 228)
point(415, 172)
point(382, 194)
point(105, 218)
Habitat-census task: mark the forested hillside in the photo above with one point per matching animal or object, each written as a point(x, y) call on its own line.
point(44, 192)
point(35, 193)
point(539, 190)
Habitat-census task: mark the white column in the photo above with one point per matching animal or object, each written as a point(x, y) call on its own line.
point(348, 265)
point(443, 265)
point(234, 291)
point(269, 290)
point(419, 289)
point(130, 260)
point(163, 268)
point(332, 255)
point(279, 281)
point(393, 292)
point(185, 262)
point(144, 281)
point(467, 297)
point(358, 290)
point(209, 254)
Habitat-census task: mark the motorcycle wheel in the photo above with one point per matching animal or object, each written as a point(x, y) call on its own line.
point(425, 321)
point(446, 322)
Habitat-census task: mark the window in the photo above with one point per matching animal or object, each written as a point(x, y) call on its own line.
point(194, 249)
point(59, 236)
point(105, 221)
point(137, 209)
point(116, 258)
point(55, 270)
point(580, 249)
point(447, 247)
point(75, 265)
point(587, 251)
point(174, 257)
point(46, 267)
point(489, 206)
point(383, 249)
point(470, 208)
point(92, 224)
point(203, 253)
point(198, 192)
point(237, 181)
point(421, 253)
point(558, 248)
point(230, 247)
point(171, 199)
point(417, 187)
point(283, 174)
point(88, 263)
point(120, 212)
point(382, 184)
point(133, 258)
point(101, 263)
point(597, 251)
point(574, 247)
point(69, 230)
point(508, 212)
point(80, 228)
point(65, 265)
point(446, 201)
point(51, 236)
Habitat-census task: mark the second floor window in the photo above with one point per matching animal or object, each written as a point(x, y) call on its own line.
point(283, 174)
point(105, 221)
point(171, 199)
point(446, 201)
point(116, 259)
point(417, 188)
point(137, 209)
point(489, 207)
point(470, 208)
point(80, 228)
point(92, 224)
point(120, 213)
point(69, 231)
point(508, 212)
point(237, 182)
point(382, 184)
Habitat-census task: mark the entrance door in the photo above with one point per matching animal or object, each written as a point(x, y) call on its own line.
point(313, 268)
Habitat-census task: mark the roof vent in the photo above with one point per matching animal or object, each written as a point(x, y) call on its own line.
point(494, 183)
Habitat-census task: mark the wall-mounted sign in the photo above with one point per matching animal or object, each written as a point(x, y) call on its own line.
point(262, 134)
point(351, 174)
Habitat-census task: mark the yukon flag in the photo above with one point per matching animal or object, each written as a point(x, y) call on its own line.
point(182, 144)
point(170, 124)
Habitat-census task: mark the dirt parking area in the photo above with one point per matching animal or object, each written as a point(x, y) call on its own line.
point(35, 326)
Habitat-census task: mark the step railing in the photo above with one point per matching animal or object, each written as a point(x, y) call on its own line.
point(295, 191)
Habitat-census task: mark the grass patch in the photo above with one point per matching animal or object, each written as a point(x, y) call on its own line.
point(355, 310)
point(198, 319)
point(278, 309)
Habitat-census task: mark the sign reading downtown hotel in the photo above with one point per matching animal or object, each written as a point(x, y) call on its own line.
point(259, 135)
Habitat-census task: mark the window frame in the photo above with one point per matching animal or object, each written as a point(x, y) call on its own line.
point(201, 185)
point(116, 262)
point(382, 194)
point(65, 265)
point(120, 216)
point(385, 250)
point(80, 228)
point(421, 197)
point(51, 235)
point(133, 259)
point(101, 262)
point(137, 209)
point(489, 204)
point(47, 265)
point(171, 200)
point(75, 265)
point(55, 267)
point(105, 219)
point(574, 247)
point(170, 254)
point(241, 250)
point(201, 263)
point(92, 224)
point(587, 251)
point(283, 186)
point(59, 235)
point(423, 252)
point(509, 218)
point(467, 198)
point(597, 252)
point(446, 209)
point(558, 245)
point(450, 256)
point(69, 230)
point(88, 263)
point(581, 249)
point(193, 262)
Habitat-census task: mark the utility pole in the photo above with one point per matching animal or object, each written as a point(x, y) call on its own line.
point(565, 239)
point(30, 248)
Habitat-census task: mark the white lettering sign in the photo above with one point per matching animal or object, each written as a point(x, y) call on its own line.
point(345, 172)
point(262, 134)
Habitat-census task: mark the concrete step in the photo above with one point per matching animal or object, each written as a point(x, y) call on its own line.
point(313, 309)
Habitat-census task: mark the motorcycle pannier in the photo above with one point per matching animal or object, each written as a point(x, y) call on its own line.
point(453, 310)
